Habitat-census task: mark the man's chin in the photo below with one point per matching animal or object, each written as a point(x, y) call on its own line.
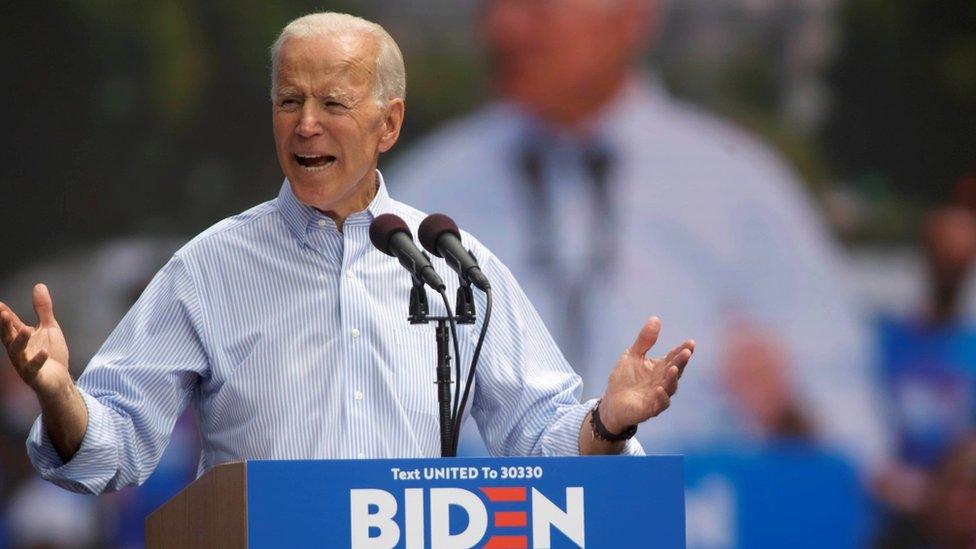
point(316, 178)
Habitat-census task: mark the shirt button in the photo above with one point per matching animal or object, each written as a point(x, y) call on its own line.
point(321, 222)
point(355, 333)
point(361, 455)
point(349, 274)
point(359, 395)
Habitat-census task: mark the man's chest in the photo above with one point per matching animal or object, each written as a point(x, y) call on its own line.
point(325, 326)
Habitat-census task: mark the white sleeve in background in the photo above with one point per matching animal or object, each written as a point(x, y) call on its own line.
point(796, 285)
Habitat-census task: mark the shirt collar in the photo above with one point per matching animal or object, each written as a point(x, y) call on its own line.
point(302, 218)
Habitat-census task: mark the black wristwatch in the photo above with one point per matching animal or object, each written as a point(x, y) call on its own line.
point(600, 430)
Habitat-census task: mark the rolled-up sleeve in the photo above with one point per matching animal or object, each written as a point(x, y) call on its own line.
point(526, 399)
point(134, 388)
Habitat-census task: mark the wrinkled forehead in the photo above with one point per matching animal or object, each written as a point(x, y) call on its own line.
point(347, 59)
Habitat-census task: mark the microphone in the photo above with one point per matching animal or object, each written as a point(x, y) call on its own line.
point(391, 236)
point(440, 236)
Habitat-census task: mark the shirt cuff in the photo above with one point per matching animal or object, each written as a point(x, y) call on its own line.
point(95, 462)
point(562, 437)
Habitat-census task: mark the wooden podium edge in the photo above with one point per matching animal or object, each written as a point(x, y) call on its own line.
point(210, 512)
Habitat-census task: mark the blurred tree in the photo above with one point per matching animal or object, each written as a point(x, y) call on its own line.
point(46, 116)
point(904, 86)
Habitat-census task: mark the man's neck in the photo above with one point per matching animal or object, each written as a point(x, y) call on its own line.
point(362, 197)
point(575, 116)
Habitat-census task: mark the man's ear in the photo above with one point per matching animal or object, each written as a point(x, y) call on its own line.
point(392, 123)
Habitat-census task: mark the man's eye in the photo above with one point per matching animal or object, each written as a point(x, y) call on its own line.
point(288, 102)
point(334, 104)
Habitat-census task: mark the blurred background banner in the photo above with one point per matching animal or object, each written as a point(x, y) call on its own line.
point(806, 170)
point(757, 496)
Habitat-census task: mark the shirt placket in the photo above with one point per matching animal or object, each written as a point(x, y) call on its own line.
point(327, 242)
point(355, 350)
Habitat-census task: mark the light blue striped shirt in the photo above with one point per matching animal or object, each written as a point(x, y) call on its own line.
point(291, 340)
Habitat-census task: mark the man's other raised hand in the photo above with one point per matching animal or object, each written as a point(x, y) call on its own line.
point(39, 353)
point(640, 388)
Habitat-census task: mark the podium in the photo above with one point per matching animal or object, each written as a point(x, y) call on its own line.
point(496, 503)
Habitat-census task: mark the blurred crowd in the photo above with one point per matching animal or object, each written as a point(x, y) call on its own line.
point(832, 399)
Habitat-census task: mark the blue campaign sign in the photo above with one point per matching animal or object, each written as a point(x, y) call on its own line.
point(785, 494)
point(496, 503)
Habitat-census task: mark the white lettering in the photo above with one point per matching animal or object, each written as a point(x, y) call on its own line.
point(414, 510)
point(448, 473)
point(362, 520)
point(546, 514)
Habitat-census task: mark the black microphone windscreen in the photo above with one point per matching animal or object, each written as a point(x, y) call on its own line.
point(432, 228)
point(383, 227)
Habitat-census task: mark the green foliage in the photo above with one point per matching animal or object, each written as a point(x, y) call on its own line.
point(904, 87)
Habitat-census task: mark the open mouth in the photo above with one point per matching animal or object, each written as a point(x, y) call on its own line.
point(314, 163)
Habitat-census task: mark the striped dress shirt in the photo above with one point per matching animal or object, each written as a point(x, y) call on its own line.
point(291, 341)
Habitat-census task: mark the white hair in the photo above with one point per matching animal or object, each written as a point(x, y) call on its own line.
point(390, 77)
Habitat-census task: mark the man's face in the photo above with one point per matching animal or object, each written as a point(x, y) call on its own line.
point(329, 128)
point(552, 54)
point(949, 238)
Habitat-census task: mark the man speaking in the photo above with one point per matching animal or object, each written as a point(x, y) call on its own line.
point(286, 329)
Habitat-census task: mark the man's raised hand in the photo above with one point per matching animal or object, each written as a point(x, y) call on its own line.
point(38, 353)
point(641, 388)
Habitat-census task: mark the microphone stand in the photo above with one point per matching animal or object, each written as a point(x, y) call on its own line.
point(419, 314)
point(419, 310)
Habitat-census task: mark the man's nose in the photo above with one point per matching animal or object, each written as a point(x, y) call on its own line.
point(309, 124)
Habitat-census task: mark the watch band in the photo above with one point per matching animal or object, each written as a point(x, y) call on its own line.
point(600, 430)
